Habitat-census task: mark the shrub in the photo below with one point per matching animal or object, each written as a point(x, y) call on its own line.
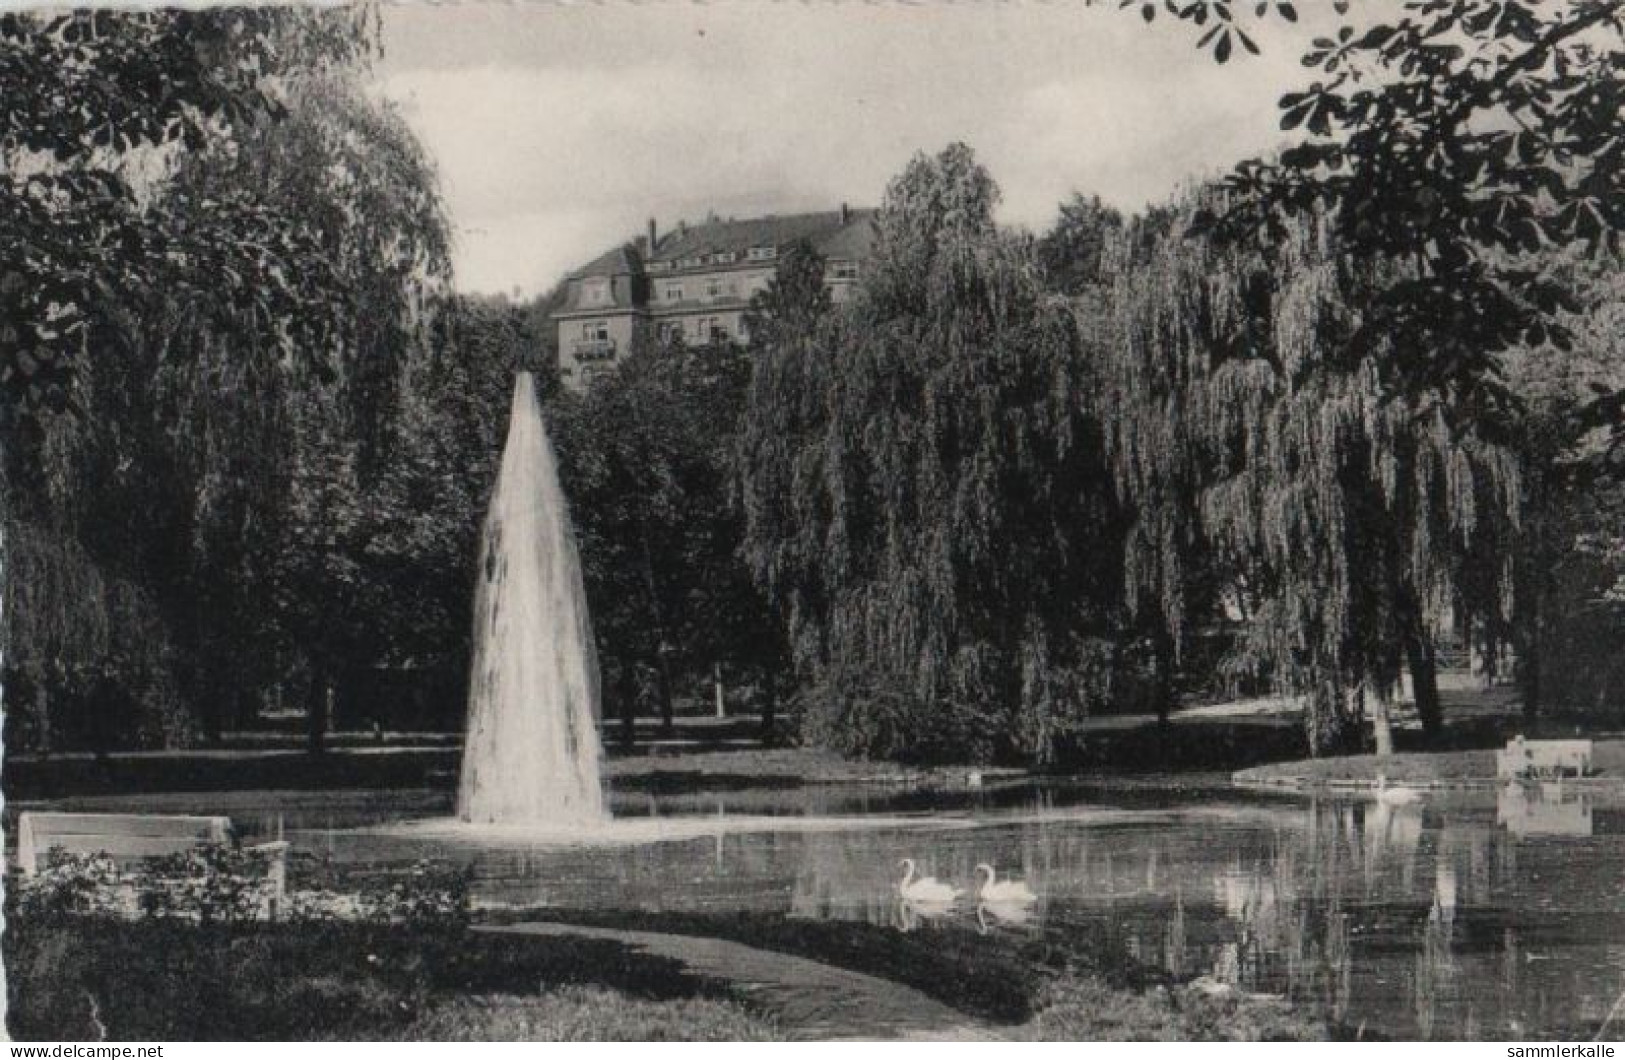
point(208, 883)
point(73, 884)
point(429, 895)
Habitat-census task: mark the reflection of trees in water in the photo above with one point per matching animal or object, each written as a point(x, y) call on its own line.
point(847, 876)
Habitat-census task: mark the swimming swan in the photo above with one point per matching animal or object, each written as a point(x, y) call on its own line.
point(1010, 892)
point(1400, 796)
point(927, 890)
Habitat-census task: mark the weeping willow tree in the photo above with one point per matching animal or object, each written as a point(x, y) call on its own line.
point(924, 498)
point(1260, 418)
point(200, 408)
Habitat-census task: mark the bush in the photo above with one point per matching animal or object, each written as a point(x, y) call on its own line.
point(86, 978)
point(73, 885)
point(212, 882)
point(429, 895)
point(1078, 1008)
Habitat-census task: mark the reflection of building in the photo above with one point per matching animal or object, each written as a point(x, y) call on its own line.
point(694, 284)
point(1542, 809)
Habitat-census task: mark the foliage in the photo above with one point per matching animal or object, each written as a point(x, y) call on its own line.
point(208, 883)
point(219, 487)
point(923, 500)
point(1459, 139)
point(429, 895)
point(172, 980)
point(1571, 561)
point(100, 105)
point(214, 882)
point(1082, 1009)
point(71, 885)
point(647, 456)
point(588, 1014)
point(794, 300)
point(1073, 251)
point(1250, 422)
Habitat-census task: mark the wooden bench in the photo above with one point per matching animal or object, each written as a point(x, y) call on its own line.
point(132, 838)
point(1543, 758)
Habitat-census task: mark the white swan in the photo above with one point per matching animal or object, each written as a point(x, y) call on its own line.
point(1400, 796)
point(925, 891)
point(1012, 913)
point(1010, 892)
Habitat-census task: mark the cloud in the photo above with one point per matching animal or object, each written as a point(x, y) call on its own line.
point(558, 130)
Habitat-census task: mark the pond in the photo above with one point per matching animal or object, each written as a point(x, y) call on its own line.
point(1467, 915)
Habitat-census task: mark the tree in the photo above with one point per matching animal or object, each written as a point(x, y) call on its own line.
point(210, 418)
point(1251, 426)
point(1221, 21)
point(795, 299)
point(917, 481)
point(647, 455)
point(1072, 252)
point(98, 106)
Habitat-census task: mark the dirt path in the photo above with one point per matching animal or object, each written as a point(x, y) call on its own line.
point(811, 1001)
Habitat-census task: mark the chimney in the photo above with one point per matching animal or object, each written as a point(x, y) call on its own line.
point(846, 215)
point(652, 234)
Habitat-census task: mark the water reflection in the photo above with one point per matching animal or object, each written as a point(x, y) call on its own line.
point(1529, 809)
point(1454, 917)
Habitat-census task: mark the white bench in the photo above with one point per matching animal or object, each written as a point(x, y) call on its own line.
point(132, 838)
point(1543, 758)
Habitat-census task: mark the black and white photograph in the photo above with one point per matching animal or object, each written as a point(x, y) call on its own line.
point(813, 520)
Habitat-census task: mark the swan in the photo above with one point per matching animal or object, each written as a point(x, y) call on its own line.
point(925, 891)
point(1400, 796)
point(1012, 913)
point(1010, 892)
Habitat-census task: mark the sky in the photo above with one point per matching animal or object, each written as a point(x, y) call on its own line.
point(559, 129)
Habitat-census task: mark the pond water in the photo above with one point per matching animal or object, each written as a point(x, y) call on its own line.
point(1463, 916)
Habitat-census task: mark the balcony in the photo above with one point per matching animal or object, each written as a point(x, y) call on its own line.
point(586, 350)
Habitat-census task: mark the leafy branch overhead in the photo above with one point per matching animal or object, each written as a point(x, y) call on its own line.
point(101, 107)
point(1220, 21)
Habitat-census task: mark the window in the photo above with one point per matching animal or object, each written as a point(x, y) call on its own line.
point(843, 270)
point(763, 253)
point(595, 331)
point(673, 292)
point(595, 292)
point(668, 331)
point(713, 289)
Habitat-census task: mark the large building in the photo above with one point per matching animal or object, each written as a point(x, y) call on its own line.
point(695, 283)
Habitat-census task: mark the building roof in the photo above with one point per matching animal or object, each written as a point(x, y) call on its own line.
point(620, 261)
point(828, 235)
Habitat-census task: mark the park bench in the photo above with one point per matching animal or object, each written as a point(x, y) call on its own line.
point(130, 839)
point(1543, 758)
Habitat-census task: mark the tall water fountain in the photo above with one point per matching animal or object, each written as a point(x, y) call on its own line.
point(531, 755)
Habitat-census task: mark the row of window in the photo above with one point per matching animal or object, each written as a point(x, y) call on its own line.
point(719, 257)
point(598, 292)
point(712, 288)
point(696, 330)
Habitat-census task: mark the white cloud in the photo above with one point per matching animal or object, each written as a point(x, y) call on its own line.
point(558, 130)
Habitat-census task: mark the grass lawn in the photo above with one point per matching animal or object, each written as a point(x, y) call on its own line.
point(583, 1014)
point(87, 979)
point(1087, 989)
point(1442, 768)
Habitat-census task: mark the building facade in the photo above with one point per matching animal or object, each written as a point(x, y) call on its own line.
point(695, 284)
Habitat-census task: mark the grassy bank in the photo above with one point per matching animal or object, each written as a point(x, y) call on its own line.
point(1085, 988)
point(1444, 769)
point(87, 979)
